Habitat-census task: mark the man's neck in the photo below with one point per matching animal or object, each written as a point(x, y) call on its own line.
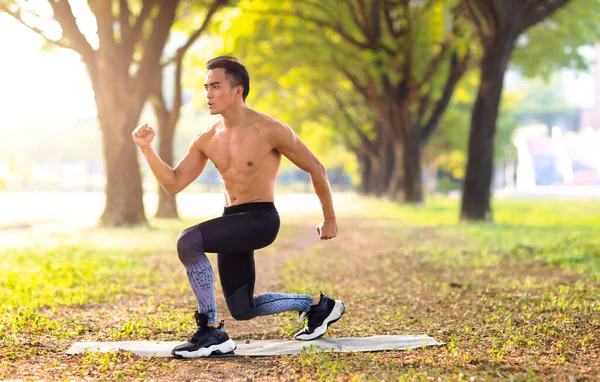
point(234, 116)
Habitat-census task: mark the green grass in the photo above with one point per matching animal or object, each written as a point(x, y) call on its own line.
point(85, 266)
point(514, 299)
point(565, 233)
point(518, 299)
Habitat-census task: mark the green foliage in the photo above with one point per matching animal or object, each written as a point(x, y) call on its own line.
point(297, 64)
point(544, 102)
point(557, 41)
point(449, 144)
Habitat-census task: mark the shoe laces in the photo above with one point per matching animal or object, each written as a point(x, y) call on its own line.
point(204, 330)
point(200, 333)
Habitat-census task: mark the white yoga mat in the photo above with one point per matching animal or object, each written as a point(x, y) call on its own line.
point(257, 348)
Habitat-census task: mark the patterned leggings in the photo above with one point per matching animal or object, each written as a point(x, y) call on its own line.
point(234, 237)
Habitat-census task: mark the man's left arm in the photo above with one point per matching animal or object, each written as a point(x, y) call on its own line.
point(288, 144)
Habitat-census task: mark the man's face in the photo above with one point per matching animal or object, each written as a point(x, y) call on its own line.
point(219, 93)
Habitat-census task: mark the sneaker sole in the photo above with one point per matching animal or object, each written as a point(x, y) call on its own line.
point(336, 313)
point(226, 347)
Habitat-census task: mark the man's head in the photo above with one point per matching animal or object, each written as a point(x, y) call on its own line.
point(226, 83)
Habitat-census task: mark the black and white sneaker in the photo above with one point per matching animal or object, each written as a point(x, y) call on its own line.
point(206, 341)
point(320, 316)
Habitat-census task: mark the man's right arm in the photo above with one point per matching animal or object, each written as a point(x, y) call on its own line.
point(186, 171)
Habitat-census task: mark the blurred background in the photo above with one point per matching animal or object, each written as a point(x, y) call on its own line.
point(400, 100)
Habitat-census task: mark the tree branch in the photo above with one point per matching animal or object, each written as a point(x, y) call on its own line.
point(104, 19)
point(357, 85)
point(435, 62)
point(424, 103)
point(387, 11)
point(155, 43)
point(362, 12)
point(323, 5)
point(457, 69)
point(433, 65)
point(474, 13)
point(124, 15)
point(366, 142)
point(131, 40)
point(159, 103)
point(64, 15)
point(375, 13)
point(334, 27)
point(214, 7)
point(543, 9)
point(353, 14)
point(176, 112)
point(60, 43)
point(408, 57)
point(349, 144)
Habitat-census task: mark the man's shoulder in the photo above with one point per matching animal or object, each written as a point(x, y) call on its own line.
point(202, 138)
point(269, 125)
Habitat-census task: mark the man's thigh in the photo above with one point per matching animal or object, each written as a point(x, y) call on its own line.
point(235, 271)
point(239, 232)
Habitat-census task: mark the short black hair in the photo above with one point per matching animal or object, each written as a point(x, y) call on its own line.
point(235, 71)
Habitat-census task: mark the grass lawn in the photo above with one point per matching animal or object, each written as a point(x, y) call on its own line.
point(518, 299)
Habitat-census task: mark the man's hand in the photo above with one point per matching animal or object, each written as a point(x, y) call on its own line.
point(327, 229)
point(143, 135)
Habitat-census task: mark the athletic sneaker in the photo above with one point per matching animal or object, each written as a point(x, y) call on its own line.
point(206, 341)
point(320, 316)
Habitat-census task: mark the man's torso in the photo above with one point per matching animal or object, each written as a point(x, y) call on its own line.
point(246, 160)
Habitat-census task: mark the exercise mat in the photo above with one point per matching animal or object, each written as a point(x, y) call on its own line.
point(259, 348)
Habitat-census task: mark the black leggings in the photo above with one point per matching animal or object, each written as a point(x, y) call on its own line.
point(234, 237)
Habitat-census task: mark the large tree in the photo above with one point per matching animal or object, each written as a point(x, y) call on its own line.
point(404, 58)
point(168, 111)
point(122, 60)
point(500, 25)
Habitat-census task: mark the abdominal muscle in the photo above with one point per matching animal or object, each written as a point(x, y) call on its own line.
point(243, 188)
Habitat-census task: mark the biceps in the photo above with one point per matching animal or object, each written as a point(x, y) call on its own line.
point(300, 155)
point(189, 168)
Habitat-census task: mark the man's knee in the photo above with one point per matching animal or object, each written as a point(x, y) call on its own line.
point(190, 245)
point(241, 313)
point(240, 305)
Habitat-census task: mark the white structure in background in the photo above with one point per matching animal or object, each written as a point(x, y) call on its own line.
point(525, 169)
point(562, 164)
point(562, 156)
point(593, 138)
point(590, 115)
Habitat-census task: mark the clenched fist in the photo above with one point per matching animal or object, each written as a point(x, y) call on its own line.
point(328, 229)
point(143, 135)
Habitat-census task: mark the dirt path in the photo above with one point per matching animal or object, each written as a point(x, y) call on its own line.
point(45, 354)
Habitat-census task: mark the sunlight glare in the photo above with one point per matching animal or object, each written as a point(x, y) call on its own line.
point(36, 84)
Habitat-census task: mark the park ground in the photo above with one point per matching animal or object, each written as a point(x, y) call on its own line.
point(518, 299)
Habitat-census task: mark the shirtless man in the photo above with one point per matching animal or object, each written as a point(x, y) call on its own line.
point(245, 147)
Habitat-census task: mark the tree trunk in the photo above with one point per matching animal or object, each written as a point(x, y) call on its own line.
point(413, 181)
point(478, 178)
point(124, 203)
point(366, 170)
point(167, 120)
point(394, 187)
point(385, 169)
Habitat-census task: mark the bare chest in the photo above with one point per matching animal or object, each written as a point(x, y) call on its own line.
point(243, 152)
